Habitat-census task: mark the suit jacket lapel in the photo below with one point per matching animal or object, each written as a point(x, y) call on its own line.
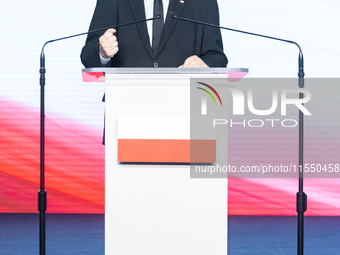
point(176, 7)
point(137, 8)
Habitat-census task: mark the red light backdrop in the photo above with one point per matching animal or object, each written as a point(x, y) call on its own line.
point(75, 172)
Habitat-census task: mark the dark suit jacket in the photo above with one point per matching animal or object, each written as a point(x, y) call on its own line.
point(180, 39)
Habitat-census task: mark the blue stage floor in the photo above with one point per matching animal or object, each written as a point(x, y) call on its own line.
point(248, 235)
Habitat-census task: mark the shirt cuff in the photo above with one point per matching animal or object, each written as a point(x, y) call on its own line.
point(104, 61)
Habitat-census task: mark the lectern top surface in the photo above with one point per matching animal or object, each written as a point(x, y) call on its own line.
point(163, 70)
point(98, 74)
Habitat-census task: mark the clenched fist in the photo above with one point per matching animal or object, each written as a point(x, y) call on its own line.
point(108, 44)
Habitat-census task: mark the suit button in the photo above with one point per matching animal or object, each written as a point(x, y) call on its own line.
point(155, 64)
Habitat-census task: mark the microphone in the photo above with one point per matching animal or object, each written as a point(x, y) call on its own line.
point(301, 197)
point(42, 200)
point(42, 57)
point(301, 69)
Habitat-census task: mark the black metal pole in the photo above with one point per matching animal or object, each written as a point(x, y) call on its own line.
point(301, 197)
point(42, 193)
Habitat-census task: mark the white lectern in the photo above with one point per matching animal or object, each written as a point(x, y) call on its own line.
point(152, 206)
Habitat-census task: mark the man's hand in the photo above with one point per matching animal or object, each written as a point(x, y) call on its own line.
point(193, 62)
point(108, 44)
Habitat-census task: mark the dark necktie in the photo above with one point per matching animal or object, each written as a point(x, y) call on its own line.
point(157, 25)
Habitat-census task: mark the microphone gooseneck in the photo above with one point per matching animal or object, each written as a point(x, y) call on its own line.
point(301, 72)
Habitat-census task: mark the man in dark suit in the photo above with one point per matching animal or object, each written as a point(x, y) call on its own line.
point(182, 44)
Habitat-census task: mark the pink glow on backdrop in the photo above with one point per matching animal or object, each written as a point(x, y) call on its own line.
point(75, 167)
point(74, 163)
